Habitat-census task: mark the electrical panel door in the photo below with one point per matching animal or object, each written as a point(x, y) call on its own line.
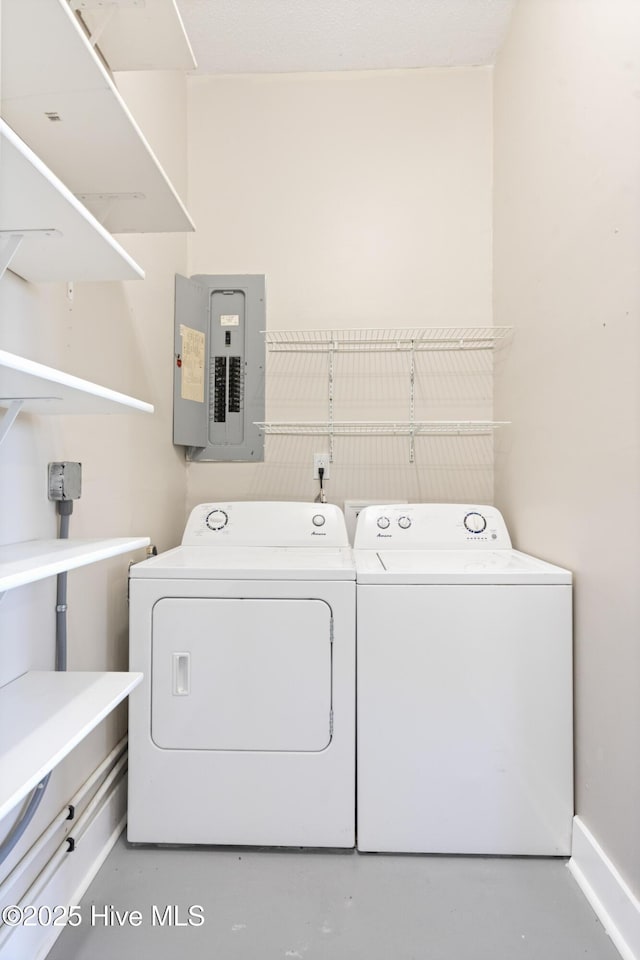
point(219, 366)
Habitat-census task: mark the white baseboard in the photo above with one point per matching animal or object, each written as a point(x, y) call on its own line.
point(70, 882)
point(615, 904)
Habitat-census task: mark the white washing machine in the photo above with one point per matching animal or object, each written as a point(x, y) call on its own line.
point(243, 729)
point(464, 679)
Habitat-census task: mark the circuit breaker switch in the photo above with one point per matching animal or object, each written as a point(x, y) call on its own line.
point(65, 480)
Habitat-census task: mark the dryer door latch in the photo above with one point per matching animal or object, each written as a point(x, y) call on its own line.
point(181, 674)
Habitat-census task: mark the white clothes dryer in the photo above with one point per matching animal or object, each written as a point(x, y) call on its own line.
point(464, 679)
point(243, 729)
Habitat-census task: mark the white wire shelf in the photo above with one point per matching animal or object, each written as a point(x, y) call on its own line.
point(383, 428)
point(384, 340)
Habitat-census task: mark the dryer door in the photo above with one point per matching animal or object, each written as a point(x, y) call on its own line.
point(241, 674)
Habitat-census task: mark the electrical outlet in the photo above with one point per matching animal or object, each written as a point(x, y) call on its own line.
point(321, 460)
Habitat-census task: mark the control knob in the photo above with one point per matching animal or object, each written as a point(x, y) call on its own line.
point(404, 523)
point(383, 522)
point(475, 522)
point(217, 520)
point(318, 520)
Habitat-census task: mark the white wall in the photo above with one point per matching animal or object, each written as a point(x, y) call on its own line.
point(567, 243)
point(119, 335)
point(365, 199)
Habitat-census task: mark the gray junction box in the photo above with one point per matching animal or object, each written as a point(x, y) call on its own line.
point(219, 363)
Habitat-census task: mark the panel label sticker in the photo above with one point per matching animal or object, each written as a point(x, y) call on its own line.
point(229, 319)
point(192, 386)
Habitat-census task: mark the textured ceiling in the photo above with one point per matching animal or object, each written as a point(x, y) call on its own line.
point(281, 36)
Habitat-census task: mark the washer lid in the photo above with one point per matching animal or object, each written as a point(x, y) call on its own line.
point(455, 566)
point(249, 563)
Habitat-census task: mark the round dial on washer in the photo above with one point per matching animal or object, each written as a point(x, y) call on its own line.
point(217, 520)
point(404, 522)
point(475, 522)
point(383, 522)
point(318, 520)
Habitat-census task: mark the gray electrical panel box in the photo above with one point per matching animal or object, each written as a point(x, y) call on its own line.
point(218, 384)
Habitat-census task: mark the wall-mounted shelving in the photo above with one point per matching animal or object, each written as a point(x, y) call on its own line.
point(384, 428)
point(137, 34)
point(409, 341)
point(373, 340)
point(45, 232)
point(31, 560)
point(43, 716)
point(59, 98)
point(34, 388)
point(73, 165)
point(45, 390)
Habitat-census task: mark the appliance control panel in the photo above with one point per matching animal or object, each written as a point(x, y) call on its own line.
point(437, 526)
point(266, 524)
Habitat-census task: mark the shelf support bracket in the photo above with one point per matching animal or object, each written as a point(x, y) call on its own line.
point(412, 402)
point(9, 417)
point(107, 9)
point(330, 396)
point(80, 5)
point(95, 35)
point(10, 240)
point(108, 200)
point(9, 243)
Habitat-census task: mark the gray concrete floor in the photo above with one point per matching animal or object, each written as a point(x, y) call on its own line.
point(264, 904)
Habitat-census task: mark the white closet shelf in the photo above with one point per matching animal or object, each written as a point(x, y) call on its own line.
point(32, 560)
point(45, 232)
point(384, 340)
point(138, 34)
point(44, 390)
point(58, 96)
point(43, 716)
point(384, 428)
